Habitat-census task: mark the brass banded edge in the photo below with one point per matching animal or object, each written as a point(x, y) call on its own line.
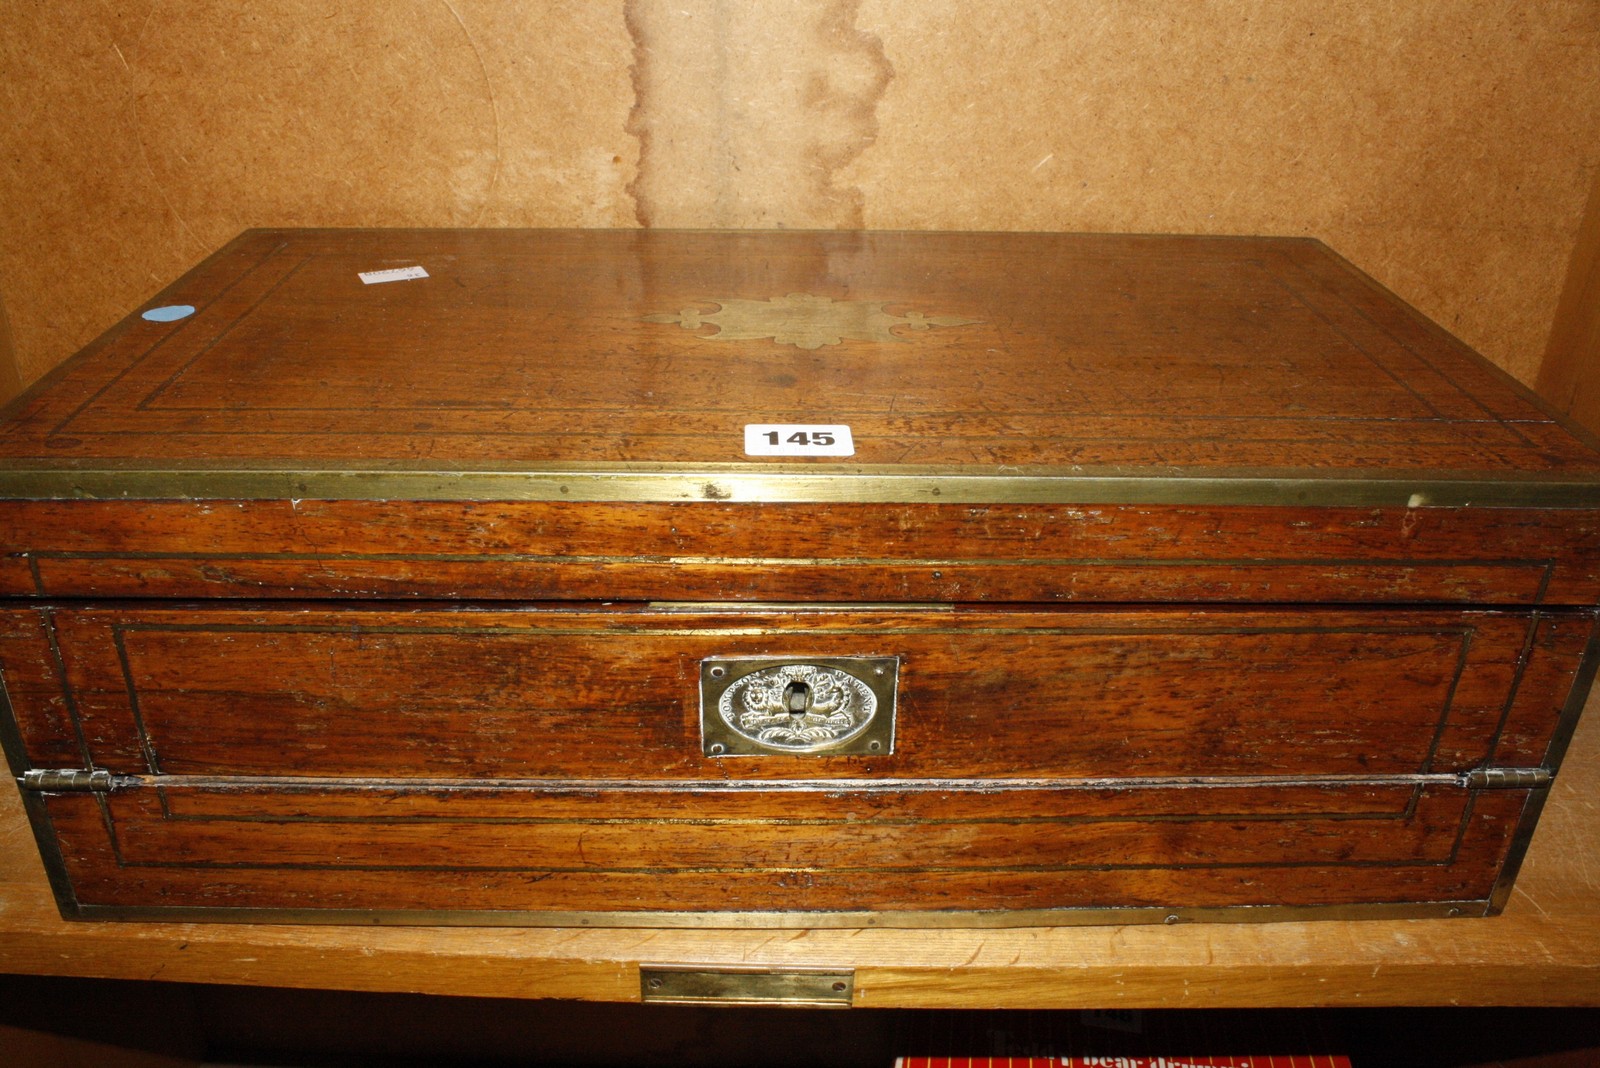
point(1078, 916)
point(814, 785)
point(740, 483)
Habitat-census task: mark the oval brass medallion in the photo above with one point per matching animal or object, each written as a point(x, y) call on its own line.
point(798, 708)
point(822, 706)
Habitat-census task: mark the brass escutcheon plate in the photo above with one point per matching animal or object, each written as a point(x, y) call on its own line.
point(798, 706)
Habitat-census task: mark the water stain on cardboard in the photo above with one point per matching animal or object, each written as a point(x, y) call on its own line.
point(746, 113)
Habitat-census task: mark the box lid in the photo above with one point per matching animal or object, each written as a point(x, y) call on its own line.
point(628, 365)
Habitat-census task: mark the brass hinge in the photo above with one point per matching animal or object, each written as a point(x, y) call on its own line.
point(67, 780)
point(1506, 778)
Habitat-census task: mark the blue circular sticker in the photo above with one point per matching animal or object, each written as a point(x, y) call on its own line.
point(169, 314)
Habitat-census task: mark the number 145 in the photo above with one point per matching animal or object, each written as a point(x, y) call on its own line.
point(802, 437)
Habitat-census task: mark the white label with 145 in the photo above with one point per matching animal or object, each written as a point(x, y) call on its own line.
point(797, 439)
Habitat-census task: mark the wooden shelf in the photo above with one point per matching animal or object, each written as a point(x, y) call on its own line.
point(1545, 949)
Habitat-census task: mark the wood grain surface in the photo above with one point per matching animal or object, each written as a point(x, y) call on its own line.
point(1544, 950)
point(550, 759)
point(609, 693)
point(1171, 354)
point(840, 552)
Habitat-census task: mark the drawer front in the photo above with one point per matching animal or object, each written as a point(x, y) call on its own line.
point(547, 760)
point(832, 856)
point(615, 694)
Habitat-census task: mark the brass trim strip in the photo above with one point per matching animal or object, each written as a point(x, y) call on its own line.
point(875, 785)
point(1062, 917)
point(811, 483)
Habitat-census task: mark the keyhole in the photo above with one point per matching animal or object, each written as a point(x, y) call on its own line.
point(796, 698)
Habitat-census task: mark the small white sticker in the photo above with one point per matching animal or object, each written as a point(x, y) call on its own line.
point(797, 439)
point(393, 274)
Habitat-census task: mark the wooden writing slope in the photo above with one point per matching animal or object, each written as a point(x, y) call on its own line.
point(737, 599)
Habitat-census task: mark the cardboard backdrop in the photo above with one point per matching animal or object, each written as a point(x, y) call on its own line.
point(1446, 146)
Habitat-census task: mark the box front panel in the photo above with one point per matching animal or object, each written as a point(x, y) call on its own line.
point(837, 551)
point(460, 855)
point(550, 760)
point(613, 693)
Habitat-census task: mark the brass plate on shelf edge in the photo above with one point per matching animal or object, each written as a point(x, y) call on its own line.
point(688, 985)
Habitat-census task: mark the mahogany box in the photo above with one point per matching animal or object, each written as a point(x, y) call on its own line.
point(787, 579)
